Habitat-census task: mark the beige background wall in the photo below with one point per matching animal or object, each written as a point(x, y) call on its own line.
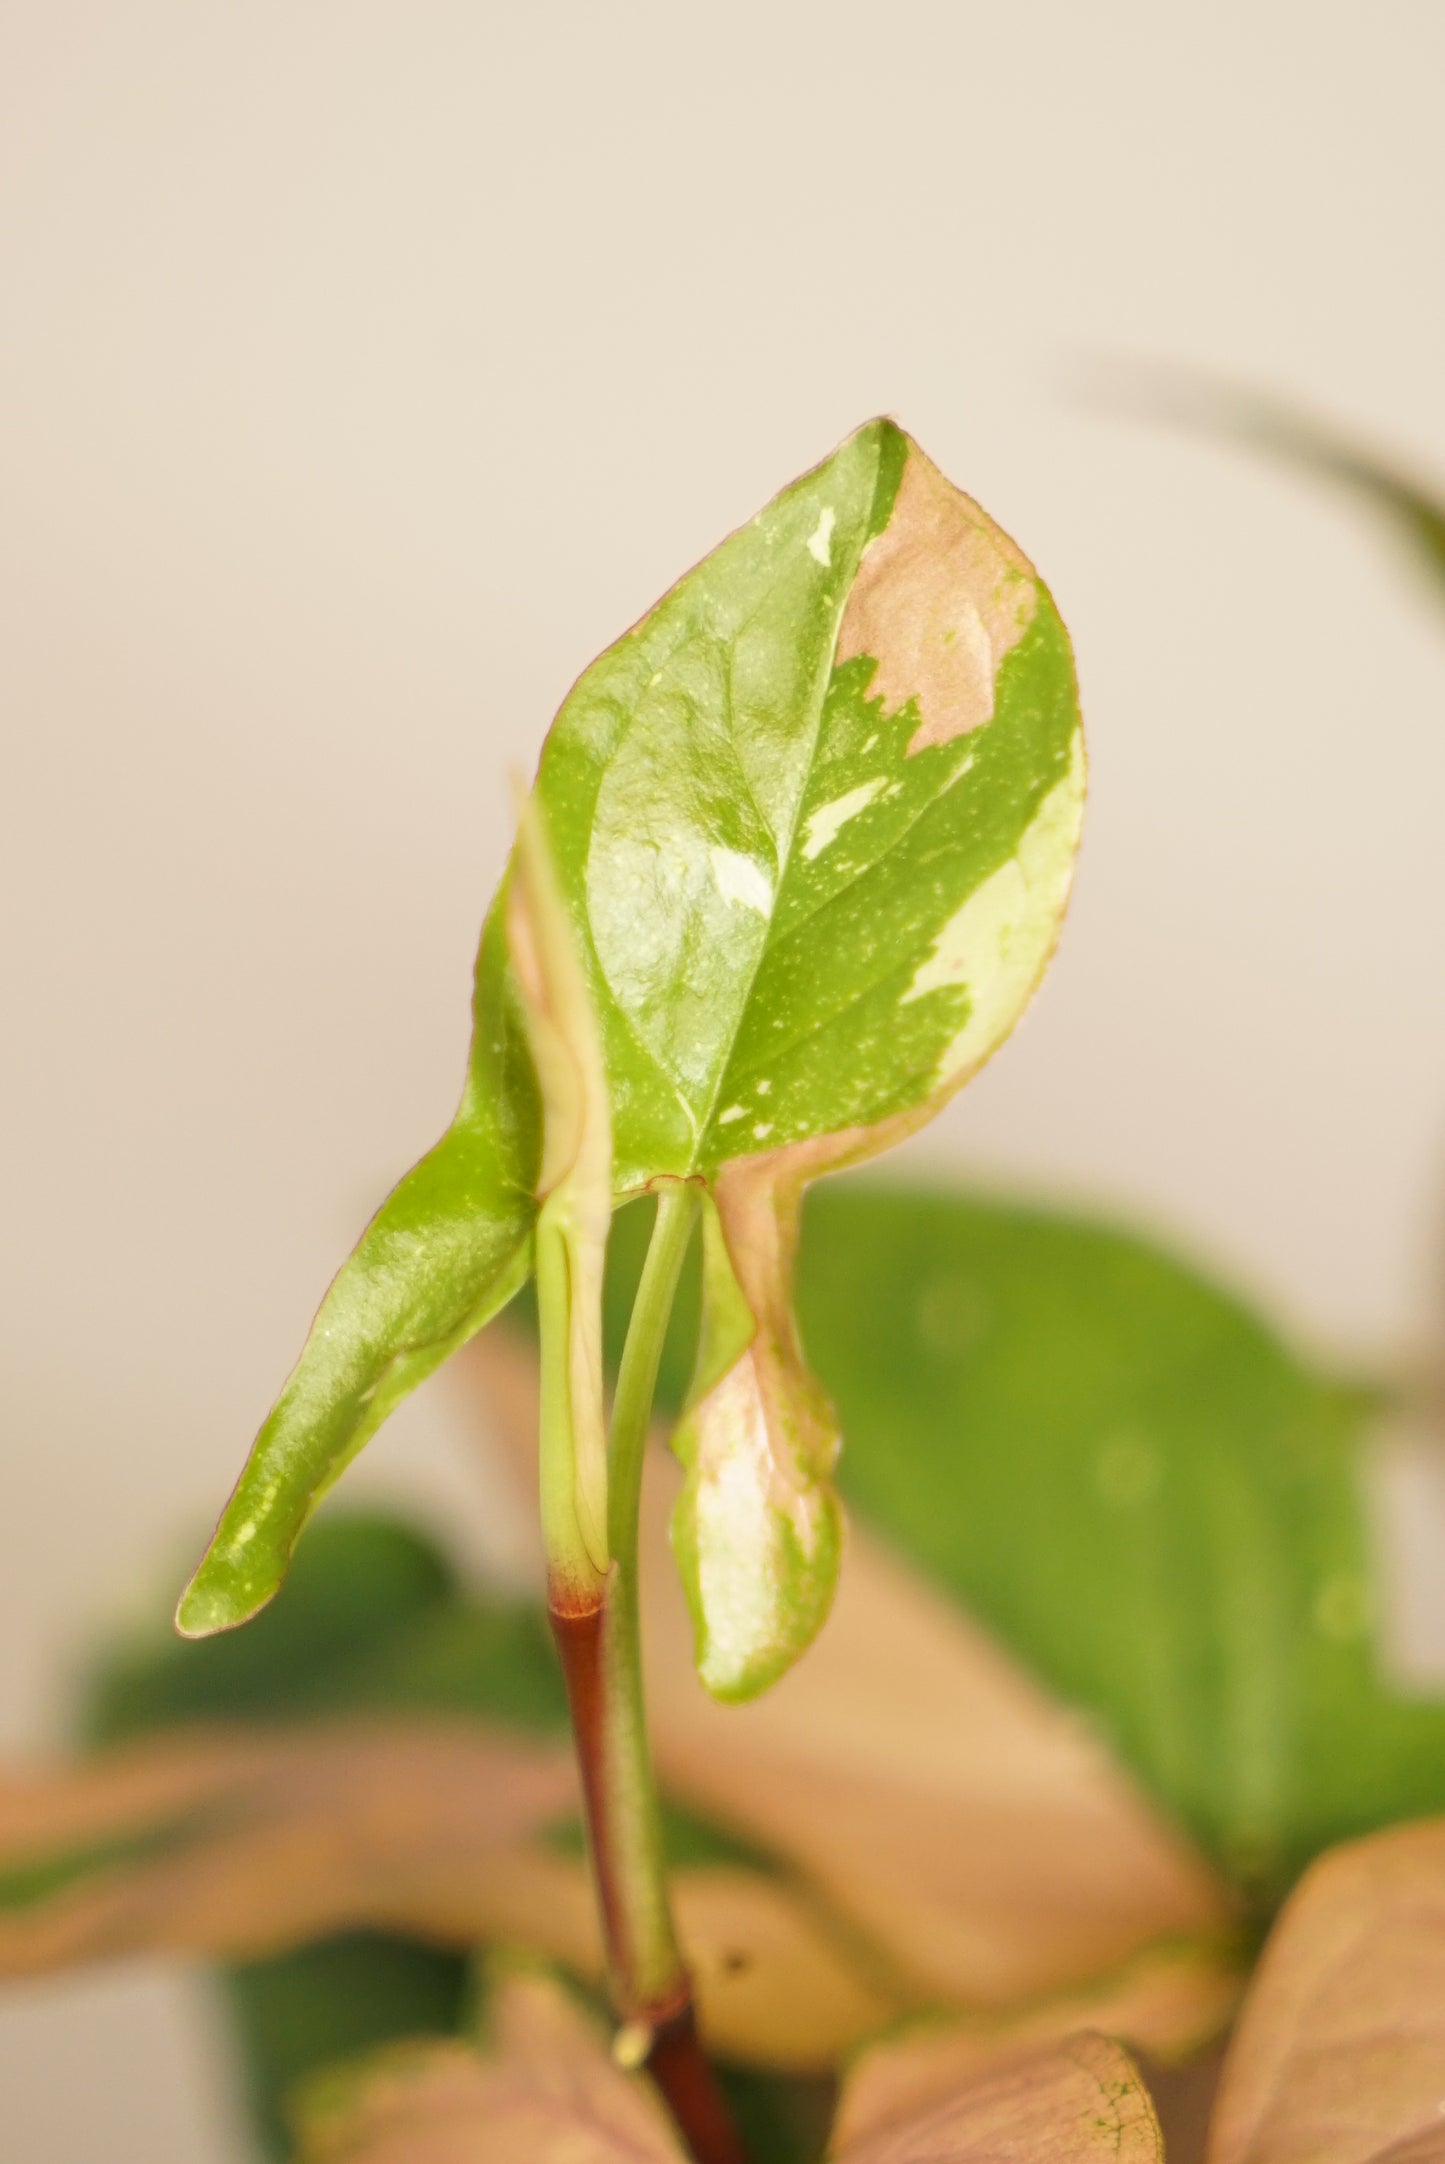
point(363, 369)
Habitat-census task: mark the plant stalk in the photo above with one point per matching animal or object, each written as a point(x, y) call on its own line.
point(599, 1639)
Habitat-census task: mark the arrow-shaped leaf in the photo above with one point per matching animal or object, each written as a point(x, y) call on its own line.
point(814, 819)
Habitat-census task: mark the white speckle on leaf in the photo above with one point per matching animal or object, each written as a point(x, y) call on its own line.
point(871, 741)
point(762, 1130)
point(246, 1532)
point(741, 879)
point(820, 540)
point(995, 944)
point(654, 679)
point(733, 1112)
point(828, 821)
point(763, 1087)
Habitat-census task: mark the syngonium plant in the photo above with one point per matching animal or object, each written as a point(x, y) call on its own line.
point(795, 859)
point(1107, 1666)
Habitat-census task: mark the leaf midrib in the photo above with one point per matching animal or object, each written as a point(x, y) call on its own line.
point(709, 1118)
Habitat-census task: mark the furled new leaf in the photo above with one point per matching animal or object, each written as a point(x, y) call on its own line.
point(758, 1530)
point(814, 819)
point(574, 1190)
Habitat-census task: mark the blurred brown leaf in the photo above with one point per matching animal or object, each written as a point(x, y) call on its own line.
point(244, 1843)
point(778, 1981)
point(547, 2093)
point(1170, 2001)
point(239, 1843)
point(1340, 2053)
point(1078, 2101)
point(978, 1833)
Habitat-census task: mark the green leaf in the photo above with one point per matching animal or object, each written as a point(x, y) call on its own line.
point(818, 814)
point(445, 1251)
point(814, 819)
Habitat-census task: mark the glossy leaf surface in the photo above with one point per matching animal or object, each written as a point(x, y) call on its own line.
point(814, 819)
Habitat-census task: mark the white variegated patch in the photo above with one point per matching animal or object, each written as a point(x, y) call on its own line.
point(828, 821)
point(741, 879)
point(995, 945)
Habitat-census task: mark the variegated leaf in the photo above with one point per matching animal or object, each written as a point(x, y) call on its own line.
point(815, 819)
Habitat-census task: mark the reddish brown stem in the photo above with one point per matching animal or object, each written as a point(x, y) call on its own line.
point(680, 2067)
point(674, 2057)
point(578, 1633)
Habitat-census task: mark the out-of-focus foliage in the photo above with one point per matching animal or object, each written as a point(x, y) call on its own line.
point(1336, 2059)
point(373, 1620)
point(1131, 1480)
point(1076, 1441)
point(1407, 501)
point(546, 2087)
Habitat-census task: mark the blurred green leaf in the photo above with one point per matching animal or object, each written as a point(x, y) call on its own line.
point(369, 1586)
point(1406, 500)
point(782, 2119)
point(304, 2011)
point(1134, 1482)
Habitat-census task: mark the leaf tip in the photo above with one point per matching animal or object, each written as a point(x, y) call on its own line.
point(217, 1599)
